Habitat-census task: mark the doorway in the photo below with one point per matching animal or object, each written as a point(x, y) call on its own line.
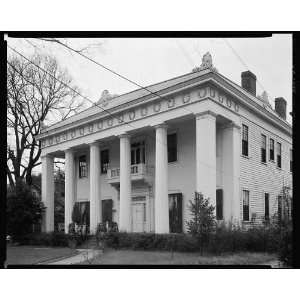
point(138, 209)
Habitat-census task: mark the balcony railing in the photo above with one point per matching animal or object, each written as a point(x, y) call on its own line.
point(138, 172)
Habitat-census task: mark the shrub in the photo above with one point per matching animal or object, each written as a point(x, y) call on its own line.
point(24, 209)
point(202, 223)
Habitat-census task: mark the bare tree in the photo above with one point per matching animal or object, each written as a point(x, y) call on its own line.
point(34, 98)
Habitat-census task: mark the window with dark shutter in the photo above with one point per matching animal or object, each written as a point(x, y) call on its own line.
point(267, 213)
point(104, 161)
point(245, 205)
point(172, 147)
point(245, 140)
point(278, 155)
point(82, 166)
point(219, 206)
point(263, 148)
point(272, 149)
point(175, 213)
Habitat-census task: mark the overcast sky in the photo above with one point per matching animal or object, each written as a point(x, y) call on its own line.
point(147, 61)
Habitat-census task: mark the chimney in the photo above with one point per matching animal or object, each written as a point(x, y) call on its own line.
point(280, 107)
point(249, 82)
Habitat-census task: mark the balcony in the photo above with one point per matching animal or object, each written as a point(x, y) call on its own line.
point(139, 172)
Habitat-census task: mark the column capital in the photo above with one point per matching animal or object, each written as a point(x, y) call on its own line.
point(94, 143)
point(161, 125)
point(69, 150)
point(205, 114)
point(231, 125)
point(124, 135)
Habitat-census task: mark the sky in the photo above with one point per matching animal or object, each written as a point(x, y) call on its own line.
point(151, 60)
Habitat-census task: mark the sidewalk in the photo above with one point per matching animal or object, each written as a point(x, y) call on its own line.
point(84, 255)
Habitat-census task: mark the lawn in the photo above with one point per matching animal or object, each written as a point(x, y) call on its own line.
point(131, 257)
point(30, 255)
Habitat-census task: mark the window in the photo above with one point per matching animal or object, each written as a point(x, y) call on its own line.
point(279, 208)
point(219, 206)
point(291, 160)
point(245, 140)
point(278, 155)
point(172, 147)
point(175, 213)
point(106, 210)
point(84, 212)
point(138, 153)
point(245, 205)
point(82, 166)
point(104, 161)
point(267, 214)
point(272, 149)
point(263, 148)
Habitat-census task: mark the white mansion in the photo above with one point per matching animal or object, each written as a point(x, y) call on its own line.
point(138, 158)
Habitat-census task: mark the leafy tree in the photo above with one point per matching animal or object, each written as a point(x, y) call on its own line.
point(24, 209)
point(34, 98)
point(202, 223)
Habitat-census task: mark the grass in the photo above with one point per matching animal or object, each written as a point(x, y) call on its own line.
point(132, 257)
point(29, 255)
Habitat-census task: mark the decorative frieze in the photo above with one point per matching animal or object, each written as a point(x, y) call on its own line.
point(144, 110)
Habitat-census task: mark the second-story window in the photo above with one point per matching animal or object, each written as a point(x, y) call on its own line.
point(138, 153)
point(245, 140)
point(263, 148)
point(272, 150)
point(278, 155)
point(291, 160)
point(82, 166)
point(172, 147)
point(104, 161)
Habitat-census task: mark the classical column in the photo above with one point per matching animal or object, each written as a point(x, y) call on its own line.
point(69, 187)
point(125, 183)
point(206, 155)
point(161, 180)
point(231, 171)
point(48, 191)
point(95, 206)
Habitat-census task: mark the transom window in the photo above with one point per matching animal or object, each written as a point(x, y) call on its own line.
point(245, 140)
point(245, 205)
point(172, 147)
point(263, 148)
point(138, 153)
point(82, 166)
point(104, 161)
point(278, 155)
point(272, 149)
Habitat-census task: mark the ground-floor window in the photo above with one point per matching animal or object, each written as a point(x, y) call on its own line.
point(219, 204)
point(175, 213)
point(84, 209)
point(267, 214)
point(106, 206)
point(245, 205)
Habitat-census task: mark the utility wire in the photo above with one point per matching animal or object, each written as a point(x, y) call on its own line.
point(42, 69)
point(84, 97)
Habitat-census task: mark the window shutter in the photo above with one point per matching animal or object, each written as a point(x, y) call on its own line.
point(219, 206)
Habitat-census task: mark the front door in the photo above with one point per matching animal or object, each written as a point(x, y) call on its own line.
point(139, 214)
